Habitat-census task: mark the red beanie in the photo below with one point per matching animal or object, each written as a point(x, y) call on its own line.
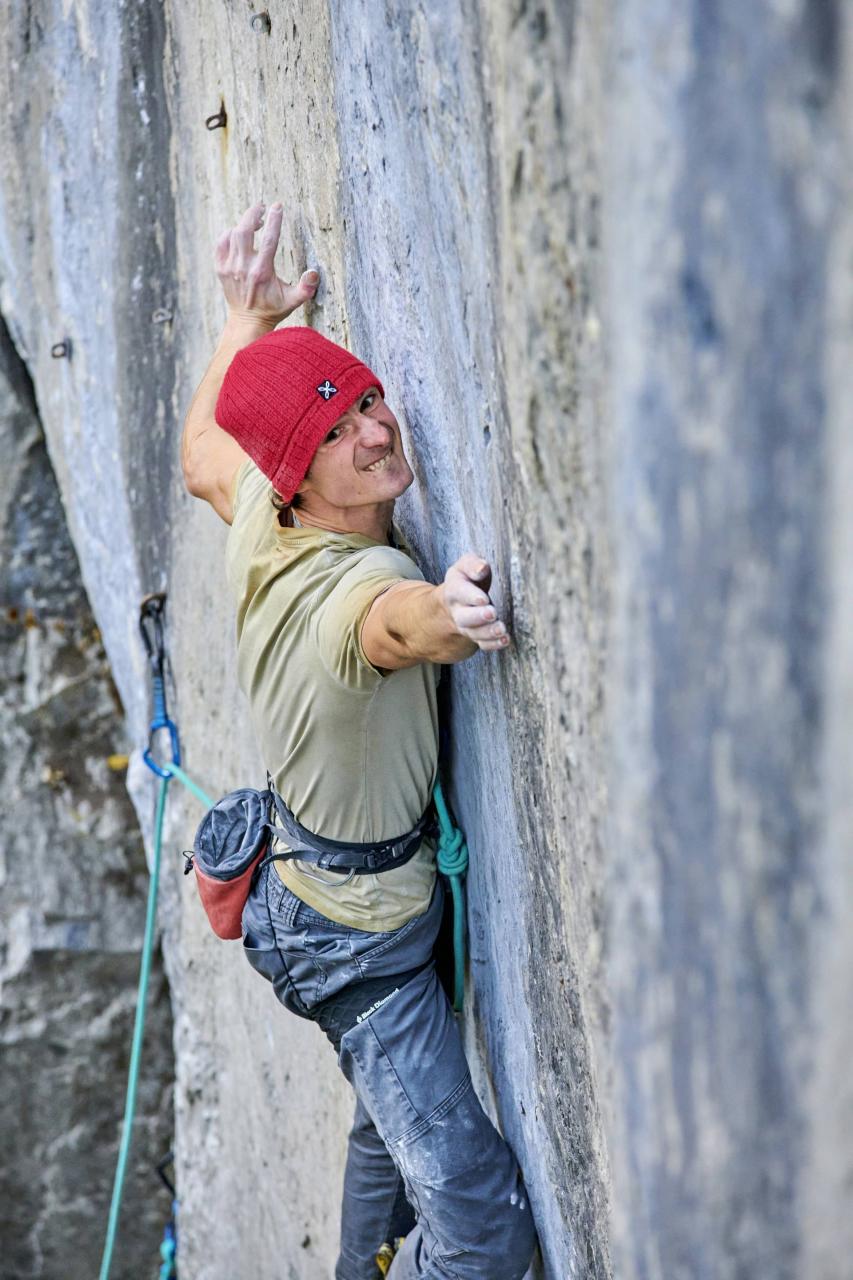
point(283, 393)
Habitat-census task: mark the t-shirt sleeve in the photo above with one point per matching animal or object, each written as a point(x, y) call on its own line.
point(249, 492)
point(340, 619)
point(249, 487)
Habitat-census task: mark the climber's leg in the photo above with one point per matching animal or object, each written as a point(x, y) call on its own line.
point(407, 1063)
point(377, 997)
point(332, 974)
point(375, 1208)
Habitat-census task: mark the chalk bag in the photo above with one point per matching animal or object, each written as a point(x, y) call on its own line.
point(229, 844)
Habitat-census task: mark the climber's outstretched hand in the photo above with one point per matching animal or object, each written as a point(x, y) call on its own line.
point(247, 275)
point(466, 587)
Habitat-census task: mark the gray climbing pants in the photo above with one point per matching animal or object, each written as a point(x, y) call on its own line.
point(424, 1160)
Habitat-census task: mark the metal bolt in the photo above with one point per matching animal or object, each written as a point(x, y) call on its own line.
point(61, 350)
point(219, 121)
point(162, 315)
point(261, 23)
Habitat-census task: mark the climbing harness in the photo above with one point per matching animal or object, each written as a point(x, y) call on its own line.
point(342, 856)
point(239, 856)
point(233, 840)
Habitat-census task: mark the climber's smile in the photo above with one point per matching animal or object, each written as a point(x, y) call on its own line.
point(359, 465)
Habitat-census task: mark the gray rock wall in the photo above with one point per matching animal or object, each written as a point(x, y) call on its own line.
point(73, 876)
point(599, 254)
point(729, 276)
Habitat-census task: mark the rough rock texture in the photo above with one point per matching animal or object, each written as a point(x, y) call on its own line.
point(73, 878)
point(729, 271)
point(487, 150)
point(665, 967)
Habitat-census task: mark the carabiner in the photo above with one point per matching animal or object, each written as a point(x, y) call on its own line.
point(151, 627)
point(176, 748)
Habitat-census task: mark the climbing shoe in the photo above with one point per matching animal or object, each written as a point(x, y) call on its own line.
point(385, 1256)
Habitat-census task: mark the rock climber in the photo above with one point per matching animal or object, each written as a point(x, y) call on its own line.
point(339, 642)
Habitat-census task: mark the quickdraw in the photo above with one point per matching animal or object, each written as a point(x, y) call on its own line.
point(152, 630)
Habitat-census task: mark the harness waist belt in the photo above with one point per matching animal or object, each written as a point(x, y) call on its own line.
point(341, 856)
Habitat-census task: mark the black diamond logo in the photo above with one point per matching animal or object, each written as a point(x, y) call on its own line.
point(327, 390)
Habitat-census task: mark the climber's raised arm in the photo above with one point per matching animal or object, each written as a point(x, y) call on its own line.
point(416, 622)
point(210, 457)
point(257, 300)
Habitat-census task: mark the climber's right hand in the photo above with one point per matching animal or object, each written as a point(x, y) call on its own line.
point(465, 593)
point(247, 275)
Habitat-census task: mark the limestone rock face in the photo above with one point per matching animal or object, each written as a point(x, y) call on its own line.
point(729, 275)
point(599, 255)
point(74, 880)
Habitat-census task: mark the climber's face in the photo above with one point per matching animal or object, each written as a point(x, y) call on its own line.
point(359, 463)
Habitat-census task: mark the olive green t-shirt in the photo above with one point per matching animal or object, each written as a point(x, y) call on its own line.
point(353, 752)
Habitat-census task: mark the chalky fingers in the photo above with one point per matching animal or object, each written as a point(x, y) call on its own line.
point(481, 625)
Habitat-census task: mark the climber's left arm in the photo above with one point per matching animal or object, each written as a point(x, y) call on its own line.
point(210, 457)
point(257, 300)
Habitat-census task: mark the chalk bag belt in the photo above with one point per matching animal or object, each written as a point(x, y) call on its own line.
point(340, 856)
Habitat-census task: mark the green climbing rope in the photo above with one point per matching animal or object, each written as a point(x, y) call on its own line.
point(452, 861)
point(173, 771)
point(138, 1030)
point(177, 772)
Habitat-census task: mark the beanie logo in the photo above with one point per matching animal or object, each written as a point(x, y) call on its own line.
point(327, 390)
